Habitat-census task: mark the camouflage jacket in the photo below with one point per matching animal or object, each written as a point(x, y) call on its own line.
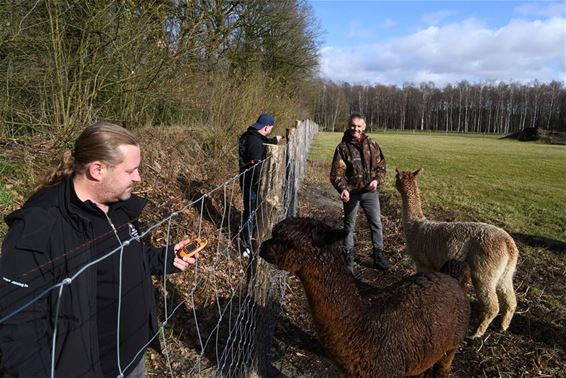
point(356, 164)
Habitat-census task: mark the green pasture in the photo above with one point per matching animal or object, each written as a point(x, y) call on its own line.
point(520, 186)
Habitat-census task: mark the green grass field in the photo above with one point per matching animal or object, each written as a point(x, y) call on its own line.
point(520, 186)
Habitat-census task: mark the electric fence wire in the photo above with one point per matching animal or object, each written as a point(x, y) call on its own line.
point(239, 313)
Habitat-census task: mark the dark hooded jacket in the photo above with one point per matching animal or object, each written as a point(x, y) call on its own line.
point(251, 153)
point(53, 237)
point(356, 164)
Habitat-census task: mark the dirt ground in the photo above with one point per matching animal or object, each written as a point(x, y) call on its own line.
point(534, 345)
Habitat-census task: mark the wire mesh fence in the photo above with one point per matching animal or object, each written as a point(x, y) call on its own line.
point(217, 318)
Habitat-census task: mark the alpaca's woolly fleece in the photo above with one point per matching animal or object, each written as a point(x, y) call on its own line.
point(489, 251)
point(407, 328)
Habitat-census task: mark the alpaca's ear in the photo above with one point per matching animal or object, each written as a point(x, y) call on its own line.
point(416, 173)
point(324, 235)
point(269, 249)
point(335, 235)
point(397, 171)
point(340, 234)
point(319, 235)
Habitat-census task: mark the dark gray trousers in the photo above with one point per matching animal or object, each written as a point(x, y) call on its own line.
point(369, 202)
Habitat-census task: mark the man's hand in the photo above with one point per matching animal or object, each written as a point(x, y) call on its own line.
point(373, 186)
point(183, 263)
point(345, 195)
point(279, 138)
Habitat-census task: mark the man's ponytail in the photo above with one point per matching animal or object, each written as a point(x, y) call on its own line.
point(63, 170)
point(99, 141)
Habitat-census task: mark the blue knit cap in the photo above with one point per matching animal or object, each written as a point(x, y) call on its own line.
point(264, 120)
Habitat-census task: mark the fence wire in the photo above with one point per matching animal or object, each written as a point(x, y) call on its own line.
point(209, 314)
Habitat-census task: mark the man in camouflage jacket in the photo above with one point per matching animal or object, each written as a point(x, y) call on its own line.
point(358, 169)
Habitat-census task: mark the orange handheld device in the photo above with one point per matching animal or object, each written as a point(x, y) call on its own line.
point(192, 248)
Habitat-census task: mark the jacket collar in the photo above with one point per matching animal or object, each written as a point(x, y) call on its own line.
point(62, 195)
point(133, 206)
point(253, 131)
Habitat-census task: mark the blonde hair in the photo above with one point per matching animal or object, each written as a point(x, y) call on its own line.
point(99, 141)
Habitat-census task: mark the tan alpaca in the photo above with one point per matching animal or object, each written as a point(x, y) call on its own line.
point(489, 251)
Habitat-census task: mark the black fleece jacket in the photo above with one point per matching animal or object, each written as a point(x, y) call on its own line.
point(251, 152)
point(52, 237)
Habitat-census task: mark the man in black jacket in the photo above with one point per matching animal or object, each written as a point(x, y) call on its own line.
point(252, 152)
point(74, 250)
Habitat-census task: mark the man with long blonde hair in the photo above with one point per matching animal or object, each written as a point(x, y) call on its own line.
point(99, 323)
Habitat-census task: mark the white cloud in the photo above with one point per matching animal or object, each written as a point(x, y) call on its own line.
point(522, 51)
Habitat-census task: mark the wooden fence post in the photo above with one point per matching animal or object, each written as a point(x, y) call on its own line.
point(269, 283)
point(281, 176)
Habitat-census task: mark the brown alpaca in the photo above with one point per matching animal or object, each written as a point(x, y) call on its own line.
point(408, 328)
point(489, 251)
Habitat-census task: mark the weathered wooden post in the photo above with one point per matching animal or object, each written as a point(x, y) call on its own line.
point(270, 193)
point(269, 283)
point(281, 176)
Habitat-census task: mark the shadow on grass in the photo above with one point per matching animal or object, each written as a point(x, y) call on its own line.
point(534, 241)
point(290, 334)
point(538, 330)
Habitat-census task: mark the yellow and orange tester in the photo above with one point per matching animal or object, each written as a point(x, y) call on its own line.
point(192, 248)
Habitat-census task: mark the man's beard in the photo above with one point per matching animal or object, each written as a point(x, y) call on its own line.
point(113, 197)
point(126, 194)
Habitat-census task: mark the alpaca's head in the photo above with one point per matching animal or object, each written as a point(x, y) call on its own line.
point(299, 241)
point(406, 181)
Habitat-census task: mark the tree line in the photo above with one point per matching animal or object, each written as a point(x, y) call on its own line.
point(498, 108)
point(66, 63)
point(214, 65)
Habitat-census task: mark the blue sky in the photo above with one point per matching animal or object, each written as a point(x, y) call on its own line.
point(396, 42)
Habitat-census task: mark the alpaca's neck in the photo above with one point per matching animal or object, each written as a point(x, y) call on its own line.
point(336, 305)
point(412, 209)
